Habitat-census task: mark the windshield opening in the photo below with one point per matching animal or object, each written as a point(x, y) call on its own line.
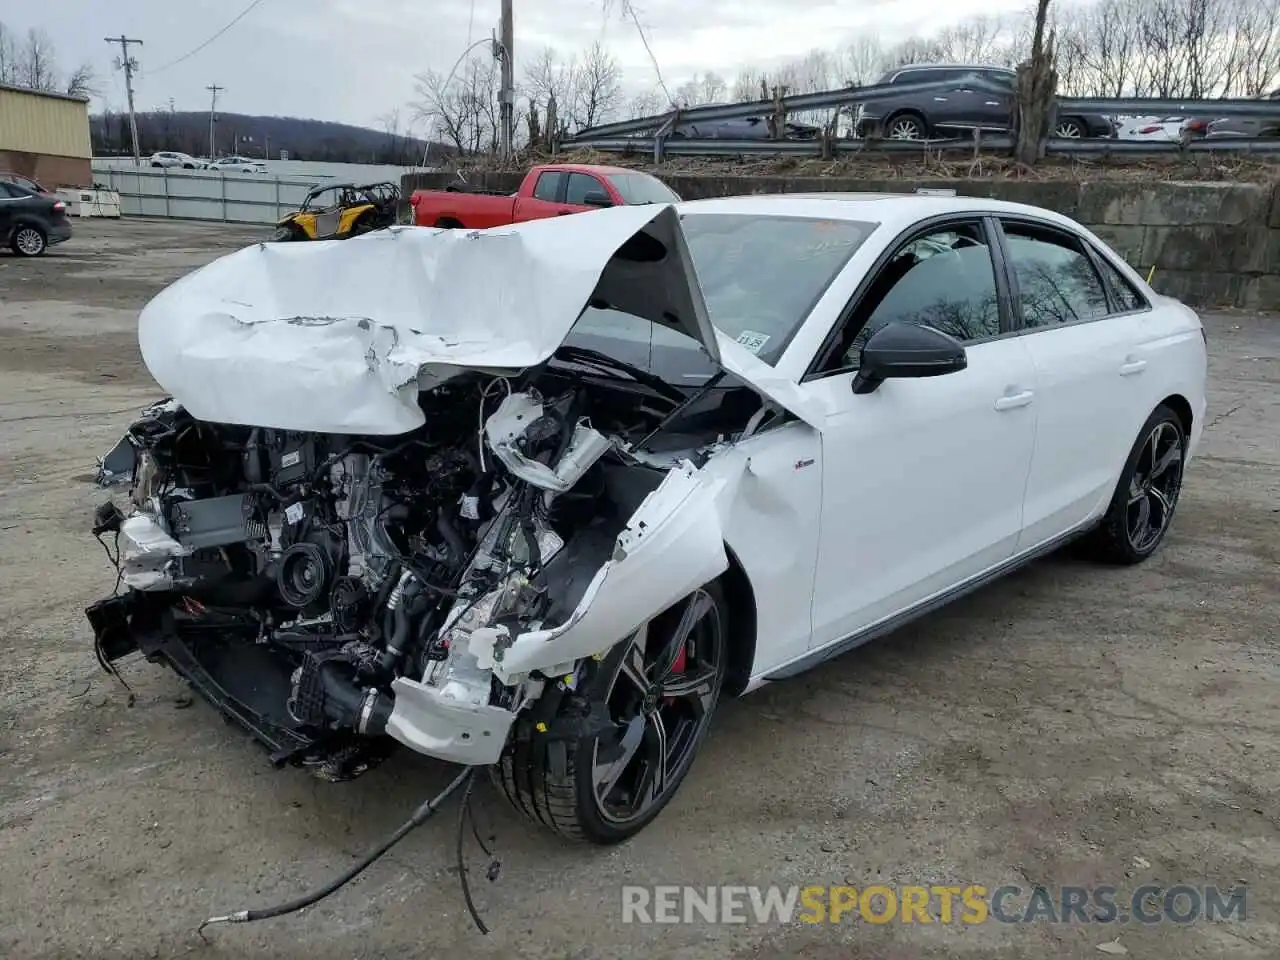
point(762, 276)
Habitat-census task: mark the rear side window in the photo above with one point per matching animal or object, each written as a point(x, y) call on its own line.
point(921, 76)
point(1123, 294)
point(548, 185)
point(1056, 280)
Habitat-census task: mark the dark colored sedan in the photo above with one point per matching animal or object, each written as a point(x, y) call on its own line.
point(31, 222)
point(742, 128)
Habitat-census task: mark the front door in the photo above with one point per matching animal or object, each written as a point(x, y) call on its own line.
point(923, 479)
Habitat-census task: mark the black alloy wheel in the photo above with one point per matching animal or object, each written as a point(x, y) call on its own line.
point(1147, 496)
point(660, 687)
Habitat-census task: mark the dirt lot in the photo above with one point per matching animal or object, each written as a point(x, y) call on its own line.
point(1071, 725)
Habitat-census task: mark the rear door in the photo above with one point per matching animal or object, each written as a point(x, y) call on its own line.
point(9, 203)
point(1091, 349)
point(547, 199)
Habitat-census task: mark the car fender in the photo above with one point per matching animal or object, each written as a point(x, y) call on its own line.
point(672, 545)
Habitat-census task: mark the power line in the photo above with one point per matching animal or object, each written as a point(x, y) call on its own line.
point(191, 53)
point(629, 9)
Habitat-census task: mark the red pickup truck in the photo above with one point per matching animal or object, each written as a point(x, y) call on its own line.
point(548, 190)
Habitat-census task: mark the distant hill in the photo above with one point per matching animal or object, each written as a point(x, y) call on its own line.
point(314, 140)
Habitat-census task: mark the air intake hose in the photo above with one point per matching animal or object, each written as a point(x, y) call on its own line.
point(365, 711)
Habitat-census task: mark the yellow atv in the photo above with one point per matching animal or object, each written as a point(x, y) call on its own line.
point(340, 210)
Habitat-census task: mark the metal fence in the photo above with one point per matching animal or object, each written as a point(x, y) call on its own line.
point(653, 134)
point(202, 194)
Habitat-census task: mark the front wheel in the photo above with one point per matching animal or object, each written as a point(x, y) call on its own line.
point(1147, 495)
point(906, 126)
point(1069, 129)
point(659, 688)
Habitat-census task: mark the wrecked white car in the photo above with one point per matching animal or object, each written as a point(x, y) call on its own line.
point(536, 497)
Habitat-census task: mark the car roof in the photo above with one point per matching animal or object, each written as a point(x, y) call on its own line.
point(893, 210)
point(592, 168)
point(951, 66)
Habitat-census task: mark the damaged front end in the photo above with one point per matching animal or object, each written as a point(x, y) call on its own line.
point(333, 591)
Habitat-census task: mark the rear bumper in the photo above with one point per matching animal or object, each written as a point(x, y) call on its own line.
point(59, 232)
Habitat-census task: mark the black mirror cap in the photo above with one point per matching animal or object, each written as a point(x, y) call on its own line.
point(905, 351)
point(597, 199)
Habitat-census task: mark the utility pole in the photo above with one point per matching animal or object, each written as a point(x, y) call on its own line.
point(128, 64)
point(507, 96)
point(213, 88)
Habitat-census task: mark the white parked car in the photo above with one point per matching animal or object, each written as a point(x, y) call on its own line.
point(169, 158)
point(535, 498)
point(238, 165)
point(1152, 128)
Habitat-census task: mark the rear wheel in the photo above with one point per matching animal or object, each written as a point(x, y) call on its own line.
point(448, 223)
point(29, 240)
point(1147, 494)
point(659, 688)
point(1069, 129)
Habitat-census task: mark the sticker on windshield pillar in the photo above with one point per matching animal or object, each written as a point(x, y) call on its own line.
point(753, 341)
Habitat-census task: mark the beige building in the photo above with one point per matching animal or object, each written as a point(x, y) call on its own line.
point(45, 136)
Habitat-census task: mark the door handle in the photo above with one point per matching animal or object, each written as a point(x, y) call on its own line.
point(1011, 401)
point(1131, 366)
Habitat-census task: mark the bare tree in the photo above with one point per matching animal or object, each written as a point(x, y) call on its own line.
point(599, 87)
point(465, 111)
point(701, 89)
point(862, 61)
point(33, 63)
point(650, 103)
point(553, 79)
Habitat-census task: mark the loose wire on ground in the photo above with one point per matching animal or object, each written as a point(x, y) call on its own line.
point(420, 816)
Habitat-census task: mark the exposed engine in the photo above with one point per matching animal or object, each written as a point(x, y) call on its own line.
point(292, 577)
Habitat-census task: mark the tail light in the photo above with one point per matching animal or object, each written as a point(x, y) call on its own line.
point(1149, 130)
point(1196, 125)
point(59, 207)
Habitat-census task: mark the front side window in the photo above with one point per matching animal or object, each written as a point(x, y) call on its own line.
point(944, 279)
point(580, 187)
point(761, 276)
point(1056, 280)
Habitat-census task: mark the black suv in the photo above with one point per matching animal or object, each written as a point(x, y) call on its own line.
point(29, 221)
point(980, 97)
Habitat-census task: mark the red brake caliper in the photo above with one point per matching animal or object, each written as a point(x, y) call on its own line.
point(678, 667)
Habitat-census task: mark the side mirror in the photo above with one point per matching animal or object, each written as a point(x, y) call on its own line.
point(907, 350)
point(597, 199)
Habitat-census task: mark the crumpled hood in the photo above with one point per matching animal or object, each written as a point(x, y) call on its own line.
point(340, 336)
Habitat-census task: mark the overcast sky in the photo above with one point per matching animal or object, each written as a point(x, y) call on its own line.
point(354, 60)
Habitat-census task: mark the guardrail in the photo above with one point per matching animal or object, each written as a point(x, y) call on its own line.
point(203, 195)
point(848, 96)
point(988, 143)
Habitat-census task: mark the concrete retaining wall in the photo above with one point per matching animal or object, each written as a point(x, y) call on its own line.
point(1212, 244)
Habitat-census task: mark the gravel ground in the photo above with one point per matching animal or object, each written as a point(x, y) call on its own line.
point(1069, 725)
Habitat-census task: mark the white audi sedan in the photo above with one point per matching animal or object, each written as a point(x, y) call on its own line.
point(535, 498)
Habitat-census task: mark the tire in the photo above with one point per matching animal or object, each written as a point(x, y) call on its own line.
point(29, 240)
point(557, 781)
point(1070, 130)
point(1145, 499)
point(158, 165)
point(282, 234)
point(906, 126)
point(448, 223)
